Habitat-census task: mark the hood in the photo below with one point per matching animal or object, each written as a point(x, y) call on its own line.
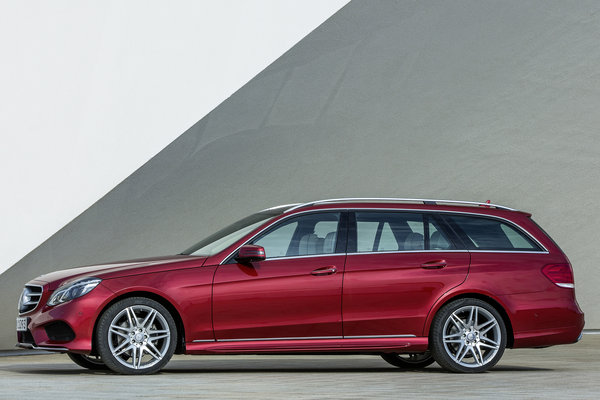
point(121, 268)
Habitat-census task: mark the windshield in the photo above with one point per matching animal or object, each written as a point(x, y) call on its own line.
point(227, 236)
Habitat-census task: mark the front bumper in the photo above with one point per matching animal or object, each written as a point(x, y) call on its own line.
point(46, 326)
point(33, 347)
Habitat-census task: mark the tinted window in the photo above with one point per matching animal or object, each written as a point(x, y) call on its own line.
point(482, 233)
point(398, 231)
point(309, 234)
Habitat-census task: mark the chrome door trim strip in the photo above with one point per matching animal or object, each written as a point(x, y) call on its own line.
point(379, 336)
point(305, 338)
point(280, 338)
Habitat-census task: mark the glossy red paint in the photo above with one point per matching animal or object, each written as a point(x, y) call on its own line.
point(278, 298)
point(323, 302)
point(392, 293)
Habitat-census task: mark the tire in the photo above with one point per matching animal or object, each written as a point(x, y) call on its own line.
point(468, 335)
point(94, 363)
point(136, 336)
point(410, 360)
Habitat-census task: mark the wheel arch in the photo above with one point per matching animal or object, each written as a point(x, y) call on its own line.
point(473, 295)
point(179, 349)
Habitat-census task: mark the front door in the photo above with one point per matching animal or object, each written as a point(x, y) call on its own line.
point(295, 293)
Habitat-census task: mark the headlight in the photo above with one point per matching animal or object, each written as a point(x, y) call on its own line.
point(73, 290)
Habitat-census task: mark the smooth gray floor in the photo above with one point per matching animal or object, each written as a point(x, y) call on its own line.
point(464, 100)
point(560, 372)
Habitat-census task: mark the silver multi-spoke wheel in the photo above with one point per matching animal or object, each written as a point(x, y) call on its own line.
point(472, 336)
point(136, 335)
point(468, 335)
point(139, 337)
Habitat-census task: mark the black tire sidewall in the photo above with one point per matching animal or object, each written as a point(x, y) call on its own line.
point(436, 335)
point(102, 335)
point(395, 360)
point(84, 362)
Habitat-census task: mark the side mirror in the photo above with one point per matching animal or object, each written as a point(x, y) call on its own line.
point(251, 253)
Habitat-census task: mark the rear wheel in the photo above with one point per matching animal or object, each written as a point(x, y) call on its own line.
point(410, 360)
point(468, 335)
point(90, 362)
point(136, 336)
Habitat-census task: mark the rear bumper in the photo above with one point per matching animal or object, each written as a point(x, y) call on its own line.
point(545, 318)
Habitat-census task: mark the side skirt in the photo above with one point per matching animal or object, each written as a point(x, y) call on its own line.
point(311, 345)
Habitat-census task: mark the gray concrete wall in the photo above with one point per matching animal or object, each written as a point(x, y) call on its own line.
point(465, 100)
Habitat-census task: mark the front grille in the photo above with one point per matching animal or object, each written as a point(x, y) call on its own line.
point(30, 298)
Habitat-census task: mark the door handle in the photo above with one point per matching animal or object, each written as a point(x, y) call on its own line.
point(330, 270)
point(436, 264)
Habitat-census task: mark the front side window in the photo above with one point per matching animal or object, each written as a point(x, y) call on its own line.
point(309, 234)
point(398, 231)
point(481, 233)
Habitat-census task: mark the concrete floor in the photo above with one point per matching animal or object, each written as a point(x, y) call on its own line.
point(560, 372)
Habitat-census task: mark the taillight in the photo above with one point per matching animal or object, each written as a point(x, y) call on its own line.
point(559, 274)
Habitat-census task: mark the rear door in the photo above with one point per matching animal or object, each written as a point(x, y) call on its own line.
point(398, 265)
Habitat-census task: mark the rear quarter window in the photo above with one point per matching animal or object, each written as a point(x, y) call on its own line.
point(481, 233)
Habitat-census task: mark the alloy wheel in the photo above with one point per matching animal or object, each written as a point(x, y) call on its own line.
point(138, 337)
point(472, 336)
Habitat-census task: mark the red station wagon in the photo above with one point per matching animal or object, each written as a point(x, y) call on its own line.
point(415, 281)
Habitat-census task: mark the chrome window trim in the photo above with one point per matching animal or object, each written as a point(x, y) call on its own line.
point(446, 251)
point(419, 210)
point(305, 338)
point(307, 256)
point(511, 251)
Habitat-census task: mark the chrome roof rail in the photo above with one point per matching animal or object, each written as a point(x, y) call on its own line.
point(400, 200)
point(281, 206)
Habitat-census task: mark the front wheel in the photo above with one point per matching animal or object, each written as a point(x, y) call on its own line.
point(468, 335)
point(136, 336)
point(410, 360)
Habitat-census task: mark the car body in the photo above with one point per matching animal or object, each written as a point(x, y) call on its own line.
point(413, 280)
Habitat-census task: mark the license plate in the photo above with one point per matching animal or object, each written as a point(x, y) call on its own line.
point(21, 324)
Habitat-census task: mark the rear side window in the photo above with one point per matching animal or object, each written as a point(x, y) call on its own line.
point(480, 233)
point(398, 231)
